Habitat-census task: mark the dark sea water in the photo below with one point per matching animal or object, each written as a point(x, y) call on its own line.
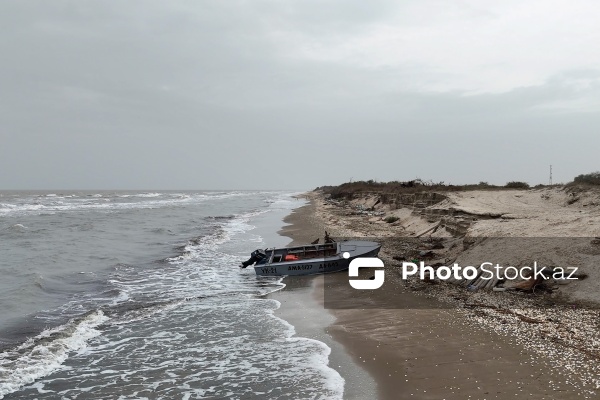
point(118, 295)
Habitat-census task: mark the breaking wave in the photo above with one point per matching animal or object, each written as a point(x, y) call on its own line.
point(192, 325)
point(44, 353)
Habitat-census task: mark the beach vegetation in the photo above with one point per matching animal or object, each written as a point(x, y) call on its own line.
point(592, 178)
point(517, 185)
point(392, 189)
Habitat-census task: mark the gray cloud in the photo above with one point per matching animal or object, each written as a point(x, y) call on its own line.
point(286, 94)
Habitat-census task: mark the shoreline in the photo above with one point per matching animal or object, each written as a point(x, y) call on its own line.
point(425, 353)
point(303, 308)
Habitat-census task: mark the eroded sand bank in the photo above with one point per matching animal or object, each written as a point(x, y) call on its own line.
point(436, 352)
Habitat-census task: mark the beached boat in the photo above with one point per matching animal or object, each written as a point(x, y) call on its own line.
point(310, 259)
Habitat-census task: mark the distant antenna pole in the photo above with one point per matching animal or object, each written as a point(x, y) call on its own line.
point(550, 174)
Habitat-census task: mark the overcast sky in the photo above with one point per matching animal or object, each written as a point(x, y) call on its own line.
point(282, 94)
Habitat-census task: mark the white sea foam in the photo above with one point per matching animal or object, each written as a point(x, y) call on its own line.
point(149, 195)
point(17, 228)
point(45, 353)
point(332, 380)
point(192, 327)
point(104, 203)
point(227, 347)
point(202, 247)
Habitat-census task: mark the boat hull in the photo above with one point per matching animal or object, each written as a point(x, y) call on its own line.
point(321, 265)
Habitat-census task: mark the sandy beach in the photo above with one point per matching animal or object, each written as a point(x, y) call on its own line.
point(167, 167)
point(427, 350)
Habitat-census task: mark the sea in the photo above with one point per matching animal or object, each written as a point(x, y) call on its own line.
point(138, 295)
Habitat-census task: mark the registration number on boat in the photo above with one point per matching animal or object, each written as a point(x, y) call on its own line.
point(328, 265)
point(299, 267)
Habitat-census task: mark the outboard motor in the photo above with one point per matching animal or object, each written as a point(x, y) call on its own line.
point(255, 256)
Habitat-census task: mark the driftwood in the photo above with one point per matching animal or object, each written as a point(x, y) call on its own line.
point(482, 283)
point(432, 229)
point(492, 283)
point(528, 284)
point(479, 282)
point(475, 281)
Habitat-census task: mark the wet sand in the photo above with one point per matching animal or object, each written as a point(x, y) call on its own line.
point(423, 351)
point(302, 308)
